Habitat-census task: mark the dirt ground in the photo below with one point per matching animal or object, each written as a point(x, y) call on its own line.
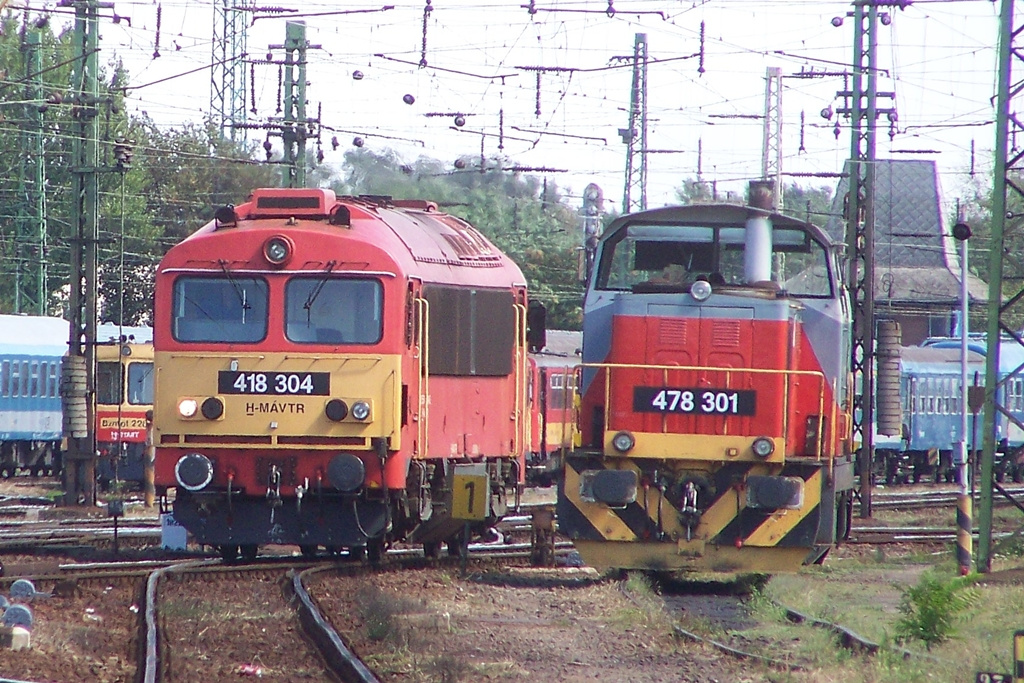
point(515, 625)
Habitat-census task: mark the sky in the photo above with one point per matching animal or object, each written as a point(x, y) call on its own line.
point(937, 56)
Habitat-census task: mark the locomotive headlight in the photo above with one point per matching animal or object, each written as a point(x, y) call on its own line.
point(277, 250)
point(623, 442)
point(763, 446)
point(193, 471)
point(212, 408)
point(360, 410)
point(700, 290)
point(187, 407)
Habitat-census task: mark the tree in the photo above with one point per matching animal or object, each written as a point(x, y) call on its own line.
point(524, 216)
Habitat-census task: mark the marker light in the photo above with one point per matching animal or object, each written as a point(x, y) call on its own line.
point(360, 410)
point(187, 407)
point(623, 442)
point(213, 408)
point(763, 446)
point(700, 290)
point(336, 410)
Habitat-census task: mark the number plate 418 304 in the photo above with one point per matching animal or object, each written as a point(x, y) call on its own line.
point(274, 383)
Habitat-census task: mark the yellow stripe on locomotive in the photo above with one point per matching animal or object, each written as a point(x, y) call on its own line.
point(287, 400)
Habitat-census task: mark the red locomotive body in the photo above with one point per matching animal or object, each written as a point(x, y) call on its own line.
point(326, 368)
point(715, 395)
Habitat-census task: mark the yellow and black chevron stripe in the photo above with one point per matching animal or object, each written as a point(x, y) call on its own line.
point(727, 532)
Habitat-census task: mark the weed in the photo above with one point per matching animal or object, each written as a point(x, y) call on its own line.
point(932, 608)
point(379, 612)
point(448, 668)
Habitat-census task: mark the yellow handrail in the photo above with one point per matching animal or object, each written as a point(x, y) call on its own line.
point(423, 395)
point(519, 423)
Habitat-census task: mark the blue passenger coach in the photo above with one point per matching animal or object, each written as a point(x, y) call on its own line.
point(31, 350)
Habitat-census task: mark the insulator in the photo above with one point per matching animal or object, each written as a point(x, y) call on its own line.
point(836, 130)
point(73, 395)
point(408, 99)
point(334, 142)
point(826, 113)
point(319, 156)
point(885, 18)
point(837, 21)
point(887, 356)
point(357, 75)
point(267, 145)
point(460, 121)
point(460, 163)
point(358, 141)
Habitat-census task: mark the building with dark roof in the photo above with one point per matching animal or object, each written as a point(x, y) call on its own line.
point(917, 261)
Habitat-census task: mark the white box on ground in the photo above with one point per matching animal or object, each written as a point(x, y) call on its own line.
point(172, 535)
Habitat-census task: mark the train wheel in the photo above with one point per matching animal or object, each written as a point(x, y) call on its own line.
point(249, 552)
point(308, 551)
point(432, 549)
point(375, 551)
point(228, 553)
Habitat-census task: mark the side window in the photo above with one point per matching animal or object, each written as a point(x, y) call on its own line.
point(54, 379)
point(33, 387)
point(5, 378)
point(15, 378)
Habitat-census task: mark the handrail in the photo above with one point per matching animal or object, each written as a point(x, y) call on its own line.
point(519, 422)
point(423, 381)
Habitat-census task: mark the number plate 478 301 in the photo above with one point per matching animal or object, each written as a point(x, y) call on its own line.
point(694, 401)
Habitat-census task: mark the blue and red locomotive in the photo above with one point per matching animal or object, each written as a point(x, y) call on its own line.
point(715, 411)
point(328, 367)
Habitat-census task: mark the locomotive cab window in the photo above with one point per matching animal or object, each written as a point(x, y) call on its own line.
point(323, 310)
point(140, 384)
point(672, 257)
point(220, 309)
point(108, 383)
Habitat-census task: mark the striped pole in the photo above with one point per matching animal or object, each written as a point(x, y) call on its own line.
point(964, 525)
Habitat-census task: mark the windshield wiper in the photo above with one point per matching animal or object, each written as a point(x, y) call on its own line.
point(319, 287)
point(237, 287)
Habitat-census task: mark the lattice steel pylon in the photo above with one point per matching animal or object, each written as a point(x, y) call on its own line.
point(227, 78)
point(635, 134)
point(860, 237)
point(31, 292)
point(771, 149)
point(1005, 266)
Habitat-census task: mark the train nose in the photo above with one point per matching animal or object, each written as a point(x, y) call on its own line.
point(194, 471)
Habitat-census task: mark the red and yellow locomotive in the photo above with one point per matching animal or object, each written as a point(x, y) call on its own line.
point(326, 368)
point(715, 395)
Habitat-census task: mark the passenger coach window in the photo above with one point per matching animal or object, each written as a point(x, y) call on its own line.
point(220, 309)
point(140, 384)
point(324, 310)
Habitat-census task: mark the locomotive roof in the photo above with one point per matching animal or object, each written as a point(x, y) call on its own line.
point(562, 349)
point(425, 242)
point(717, 214)
point(33, 335)
point(136, 335)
